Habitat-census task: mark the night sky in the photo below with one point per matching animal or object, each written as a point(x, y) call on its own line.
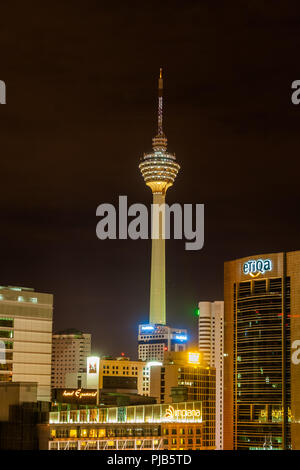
point(81, 82)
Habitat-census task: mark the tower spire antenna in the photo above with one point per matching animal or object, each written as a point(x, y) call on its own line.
point(160, 103)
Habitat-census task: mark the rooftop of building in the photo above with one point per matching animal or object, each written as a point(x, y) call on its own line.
point(16, 288)
point(70, 331)
point(119, 358)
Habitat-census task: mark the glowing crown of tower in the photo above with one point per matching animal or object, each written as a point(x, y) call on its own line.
point(159, 168)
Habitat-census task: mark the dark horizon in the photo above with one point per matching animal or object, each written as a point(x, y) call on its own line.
point(81, 110)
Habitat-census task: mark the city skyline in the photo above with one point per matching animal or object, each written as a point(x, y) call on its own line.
point(71, 139)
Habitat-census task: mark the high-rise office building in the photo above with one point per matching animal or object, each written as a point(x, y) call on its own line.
point(261, 352)
point(154, 340)
point(184, 376)
point(70, 349)
point(159, 170)
point(211, 344)
point(26, 337)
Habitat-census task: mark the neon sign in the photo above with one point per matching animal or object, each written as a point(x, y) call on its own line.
point(181, 337)
point(147, 328)
point(194, 358)
point(79, 394)
point(171, 414)
point(257, 267)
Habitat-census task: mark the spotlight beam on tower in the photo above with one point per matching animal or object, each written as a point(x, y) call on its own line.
point(159, 170)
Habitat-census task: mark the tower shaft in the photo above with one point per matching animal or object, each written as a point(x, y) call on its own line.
point(158, 265)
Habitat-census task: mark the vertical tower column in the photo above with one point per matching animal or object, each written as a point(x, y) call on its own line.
point(159, 169)
point(158, 263)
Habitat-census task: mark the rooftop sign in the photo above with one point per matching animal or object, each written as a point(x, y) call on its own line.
point(257, 267)
point(79, 393)
point(182, 415)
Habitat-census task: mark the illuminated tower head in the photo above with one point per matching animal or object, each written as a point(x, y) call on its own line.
point(159, 170)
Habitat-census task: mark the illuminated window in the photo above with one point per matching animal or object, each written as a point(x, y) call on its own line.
point(101, 433)
point(93, 433)
point(73, 432)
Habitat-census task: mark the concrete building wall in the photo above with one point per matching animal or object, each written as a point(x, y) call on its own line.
point(211, 344)
point(123, 368)
point(14, 394)
point(69, 355)
point(28, 347)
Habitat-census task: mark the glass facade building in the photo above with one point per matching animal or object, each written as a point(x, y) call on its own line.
point(183, 377)
point(261, 375)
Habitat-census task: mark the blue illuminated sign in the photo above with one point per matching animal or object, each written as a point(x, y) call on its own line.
point(181, 337)
point(147, 328)
point(257, 266)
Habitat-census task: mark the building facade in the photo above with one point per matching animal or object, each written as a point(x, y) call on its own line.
point(261, 352)
point(26, 338)
point(24, 421)
point(184, 376)
point(121, 373)
point(144, 427)
point(154, 340)
point(211, 344)
point(70, 349)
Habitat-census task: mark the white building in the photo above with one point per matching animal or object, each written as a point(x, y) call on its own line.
point(211, 344)
point(26, 337)
point(154, 340)
point(70, 349)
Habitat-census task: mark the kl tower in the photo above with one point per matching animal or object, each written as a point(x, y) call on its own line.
point(159, 170)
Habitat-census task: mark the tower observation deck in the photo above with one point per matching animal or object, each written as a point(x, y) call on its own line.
point(159, 170)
